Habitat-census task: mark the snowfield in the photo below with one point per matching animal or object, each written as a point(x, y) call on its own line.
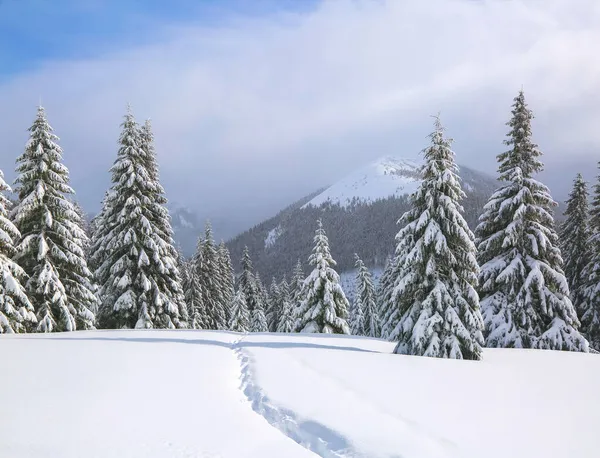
point(207, 394)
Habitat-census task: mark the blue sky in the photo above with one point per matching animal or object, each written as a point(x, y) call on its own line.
point(36, 31)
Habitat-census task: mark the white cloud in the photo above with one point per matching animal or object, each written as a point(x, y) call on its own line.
point(307, 97)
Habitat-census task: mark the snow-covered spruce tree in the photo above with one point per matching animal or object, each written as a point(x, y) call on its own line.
point(240, 317)
point(324, 307)
point(574, 235)
point(192, 294)
point(371, 326)
point(356, 318)
point(524, 294)
point(16, 312)
point(286, 320)
point(435, 307)
point(273, 306)
point(50, 249)
point(227, 279)
point(174, 288)
point(589, 304)
point(132, 245)
point(258, 319)
point(385, 289)
point(209, 276)
point(296, 286)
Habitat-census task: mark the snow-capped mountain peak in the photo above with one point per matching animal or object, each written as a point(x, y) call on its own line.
point(386, 177)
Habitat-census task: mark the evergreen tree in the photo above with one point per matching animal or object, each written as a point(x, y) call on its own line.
point(132, 247)
point(192, 295)
point(240, 317)
point(589, 301)
point(435, 308)
point(258, 319)
point(365, 291)
point(286, 320)
point(296, 287)
point(574, 241)
point(357, 318)
point(385, 290)
point(524, 294)
point(50, 249)
point(227, 280)
point(202, 318)
point(273, 306)
point(324, 307)
point(209, 276)
point(16, 312)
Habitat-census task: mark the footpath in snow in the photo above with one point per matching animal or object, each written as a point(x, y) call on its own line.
point(218, 394)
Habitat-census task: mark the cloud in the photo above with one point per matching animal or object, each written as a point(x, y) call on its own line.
point(254, 112)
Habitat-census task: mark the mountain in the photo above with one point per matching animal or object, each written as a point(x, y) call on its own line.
point(359, 213)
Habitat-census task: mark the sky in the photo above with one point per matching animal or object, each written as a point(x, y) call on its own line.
point(256, 103)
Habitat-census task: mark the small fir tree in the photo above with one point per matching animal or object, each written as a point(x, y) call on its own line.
point(324, 307)
point(365, 291)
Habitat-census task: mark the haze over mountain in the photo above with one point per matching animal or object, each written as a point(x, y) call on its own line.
point(359, 213)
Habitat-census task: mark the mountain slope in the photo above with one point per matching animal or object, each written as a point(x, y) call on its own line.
point(207, 394)
point(359, 213)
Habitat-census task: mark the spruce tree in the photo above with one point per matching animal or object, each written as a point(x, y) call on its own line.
point(258, 319)
point(296, 286)
point(435, 308)
point(50, 249)
point(132, 245)
point(273, 306)
point(16, 312)
point(589, 305)
point(356, 318)
point(324, 307)
point(524, 294)
point(209, 276)
point(366, 291)
point(227, 280)
point(240, 317)
point(385, 290)
point(286, 320)
point(574, 235)
point(193, 295)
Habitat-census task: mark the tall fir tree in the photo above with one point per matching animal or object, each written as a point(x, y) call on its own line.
point(435, 307)
point(227, 280)
point(240, 317)
point(524, 294)
point(209, 276)
point(324, 307)
point(16, 312)
point(365, 290)
point(137, 268)
point(286, 320)
point(574, 235)
point(50, 249)
point(273, 306)
point(589, 305)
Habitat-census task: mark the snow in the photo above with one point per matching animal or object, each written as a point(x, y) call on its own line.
point(272, 236)
point(220, 394)
point(383, 178)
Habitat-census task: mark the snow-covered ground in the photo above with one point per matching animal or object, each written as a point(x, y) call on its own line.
point(218, 394)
